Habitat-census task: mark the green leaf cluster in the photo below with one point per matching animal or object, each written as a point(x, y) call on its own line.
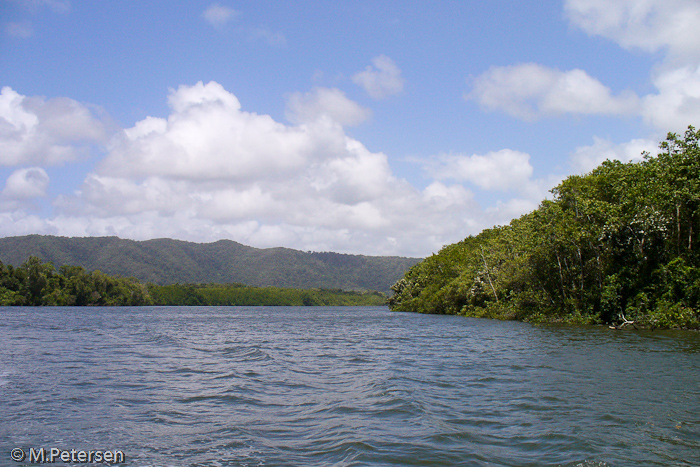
point(38, 284)
point(620, 241)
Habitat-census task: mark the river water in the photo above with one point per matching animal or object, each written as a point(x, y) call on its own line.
point(356, 386)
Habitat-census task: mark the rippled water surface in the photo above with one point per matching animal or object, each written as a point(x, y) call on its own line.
point(358, 386)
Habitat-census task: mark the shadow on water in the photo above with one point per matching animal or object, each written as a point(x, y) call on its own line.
point(659, 340)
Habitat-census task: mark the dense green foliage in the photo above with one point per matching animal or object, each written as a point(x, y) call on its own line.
point(38, 284)
point(237, 295)
point(618, 242)
point(166, 261)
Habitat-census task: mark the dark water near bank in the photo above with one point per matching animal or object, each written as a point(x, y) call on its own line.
point(344, 386)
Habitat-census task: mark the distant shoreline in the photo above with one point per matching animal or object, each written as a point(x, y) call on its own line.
point(35, 283)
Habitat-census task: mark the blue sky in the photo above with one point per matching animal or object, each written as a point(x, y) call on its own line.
point(390, 127)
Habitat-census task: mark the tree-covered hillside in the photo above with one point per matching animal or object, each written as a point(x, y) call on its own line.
point(620, 243)
point(35, 283)
point(167, 261)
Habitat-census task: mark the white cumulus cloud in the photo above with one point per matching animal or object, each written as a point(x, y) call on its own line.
point(34, 130)
point(208, 136)
point(586, 158)
point(211, 170)
point(677, 103)
point(323, 103)
point(26, 184)
point(22, 188)
point(530, 91)
point(504, 170)
point(381, 80)
point(667, 26)
point(648, 25)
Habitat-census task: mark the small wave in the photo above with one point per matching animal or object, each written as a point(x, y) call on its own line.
point(187, 371)
point(218, 398)
point(245, 353)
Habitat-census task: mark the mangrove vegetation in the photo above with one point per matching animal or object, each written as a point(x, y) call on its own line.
point(619, 244)
point(35, 283)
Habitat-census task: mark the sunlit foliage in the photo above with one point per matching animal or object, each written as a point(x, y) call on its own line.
point(619, 241)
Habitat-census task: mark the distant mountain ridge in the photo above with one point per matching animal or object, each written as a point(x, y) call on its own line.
point(167, 261)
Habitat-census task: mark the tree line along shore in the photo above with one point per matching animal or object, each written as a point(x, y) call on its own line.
point(617, 246)
point(35, 283)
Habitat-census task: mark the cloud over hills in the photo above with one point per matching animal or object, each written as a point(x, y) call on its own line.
point(212, 170)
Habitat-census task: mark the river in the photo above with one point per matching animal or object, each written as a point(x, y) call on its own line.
point(355, 386)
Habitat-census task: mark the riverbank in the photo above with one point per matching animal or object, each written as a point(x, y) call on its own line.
point(677, 317)
point(617, 244)
point(36, 283)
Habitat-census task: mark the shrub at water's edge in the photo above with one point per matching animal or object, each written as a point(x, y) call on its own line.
point(35, 283)
point(617, 244)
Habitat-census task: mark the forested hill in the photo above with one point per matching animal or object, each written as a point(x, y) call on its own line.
point(617, 245)
point(167, 261)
